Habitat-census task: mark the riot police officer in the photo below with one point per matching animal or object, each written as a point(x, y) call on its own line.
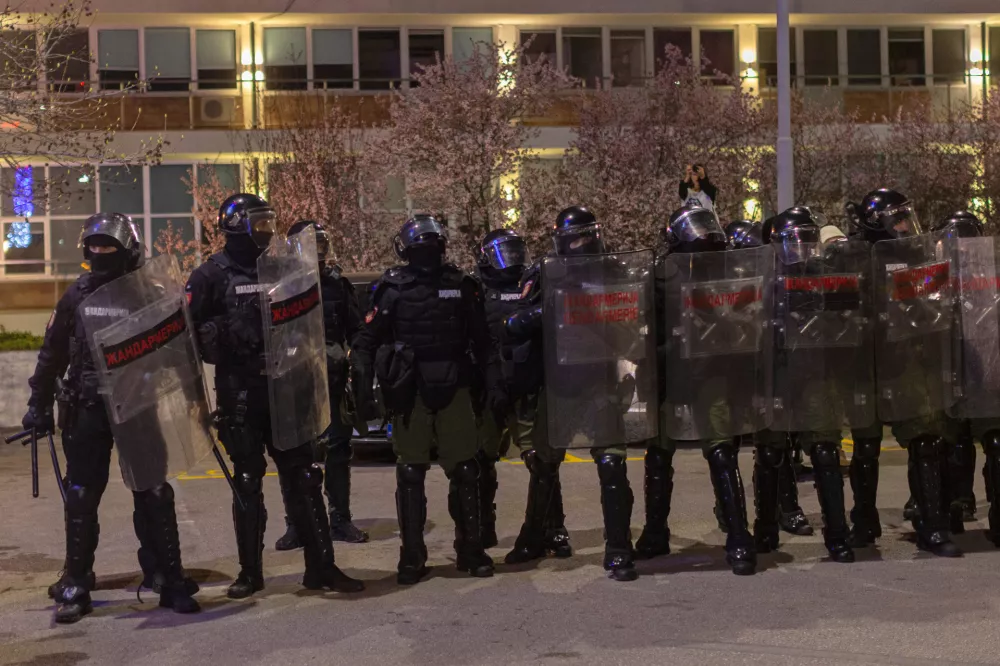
point(113, 246)
point(744, 234)
point(576, 232)
point(810, 373)
point(342, 320)
point(224, 295)
point(887, 216)
point(978, 401)
point(417, 334)
point(708, 392)
point(502, 264)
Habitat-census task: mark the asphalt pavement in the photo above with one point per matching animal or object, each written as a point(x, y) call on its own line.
point(894, 606)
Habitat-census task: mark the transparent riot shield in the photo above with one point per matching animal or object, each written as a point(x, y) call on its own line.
point(294, 342)
point(717, 343)
point(913, 336)
point(599, 330)
point(140, 335)
point(824, 338)
point(977, 335)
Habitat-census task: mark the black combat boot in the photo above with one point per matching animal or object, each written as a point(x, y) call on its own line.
point(309, 516)
point(791, 518)
point(290, 539)
point(767, 464)
point(411, 509)
point(82, 533)
point(961, 464)
point(991, 474)
point(471, 557)
point(659, 488)
point(161, 520)
point(728, 484)
point(556, 535)
point(830, 492)
point(488, 493)
point(924, 467)
point(250, 522)
point(530, 544)
point(616, 501)
point(863, 472)
point(338, 495)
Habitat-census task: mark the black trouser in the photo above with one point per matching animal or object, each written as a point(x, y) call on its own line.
point(245, 433)
point(87, 441)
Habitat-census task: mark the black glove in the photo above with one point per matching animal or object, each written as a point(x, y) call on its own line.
point(40, 420)
point(243, 335)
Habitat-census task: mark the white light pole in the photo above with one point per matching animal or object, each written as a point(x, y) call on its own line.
point(786, 161)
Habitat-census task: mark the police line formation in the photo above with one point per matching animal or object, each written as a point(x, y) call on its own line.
point(760, 335)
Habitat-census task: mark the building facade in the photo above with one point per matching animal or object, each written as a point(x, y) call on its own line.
point(214, 72)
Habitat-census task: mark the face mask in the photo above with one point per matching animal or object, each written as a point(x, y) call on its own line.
point(108, 265)
point(243, 249)
point(426, 256)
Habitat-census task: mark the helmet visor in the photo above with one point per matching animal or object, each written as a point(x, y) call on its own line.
point(262, 226)
point(119, 229)
point(698, 224)
point(414, 231)
point(585, 239)
point(323, 246)
point(900, 221)
point(506, 252)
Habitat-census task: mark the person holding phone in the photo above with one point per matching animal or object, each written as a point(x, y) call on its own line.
point(696, 189)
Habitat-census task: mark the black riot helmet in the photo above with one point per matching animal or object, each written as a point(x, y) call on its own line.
point(322, 238)
point(795, 234)
point(421, 241)
point(884, 215)
point(695, 229)
point(248, 215)
point(577, 231)
point(961, 224)
point(112, 230)
point(744, 234)
point(502, 253)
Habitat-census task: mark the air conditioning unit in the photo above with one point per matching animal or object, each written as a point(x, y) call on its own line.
point(217, 110)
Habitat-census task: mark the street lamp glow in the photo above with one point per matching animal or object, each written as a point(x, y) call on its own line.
point(748, 55)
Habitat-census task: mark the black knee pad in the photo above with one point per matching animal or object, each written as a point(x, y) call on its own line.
point(410, 474)
point(657, 457)
point(866, 448)
point(248, 484)
point(928, 447)
point(308, 477)
point(81, 500)
point(610, 467)
point(771, 457)
point(826, 454)
point(722, 453)
point(991, 442)
point(466, 471)
point(339, 453)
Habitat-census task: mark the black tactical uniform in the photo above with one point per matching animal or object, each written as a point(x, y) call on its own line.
point(790, 232)
point(342, 320)
point(743, 234)
point(576, 232)
point(962, 461)
point(692, 229)
point(424, 317)
point(87, 437)
point(886, 215)
point(224, 295)
point(501, 263)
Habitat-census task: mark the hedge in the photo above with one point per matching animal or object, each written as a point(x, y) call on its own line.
point(19, 341)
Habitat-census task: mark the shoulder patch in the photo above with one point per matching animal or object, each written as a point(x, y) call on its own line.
point(449, 293)
point(52, 320)
point(370, 317)
point(527, 288)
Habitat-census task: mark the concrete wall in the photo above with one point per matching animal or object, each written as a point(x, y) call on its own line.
point(15, 369)
point(33, 321)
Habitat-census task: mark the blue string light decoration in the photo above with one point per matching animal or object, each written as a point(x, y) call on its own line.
point(19, 235)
